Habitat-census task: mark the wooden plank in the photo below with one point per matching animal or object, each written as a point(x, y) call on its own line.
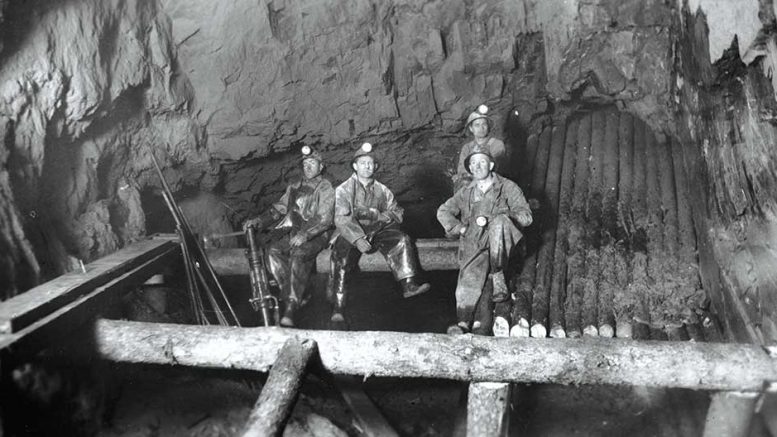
point(705, 366)
point(24, 309)
point(279, 394)
point(433, 254)
point(370, 419)
point(488, 407)
point(49, 329)
point(730, 414)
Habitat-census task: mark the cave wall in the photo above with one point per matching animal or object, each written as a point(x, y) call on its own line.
point(225, 95)
point(727, 109)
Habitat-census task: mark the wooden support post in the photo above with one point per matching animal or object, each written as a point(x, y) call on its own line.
point(541, 303)
point(537, 322)
point(488, 407)
point(700, 366)
point(273, 408)
point(730, 414)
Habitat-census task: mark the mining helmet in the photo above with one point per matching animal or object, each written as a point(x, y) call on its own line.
point(480, 112)
point(477, 151)
point(309, 152)
point(365, 149)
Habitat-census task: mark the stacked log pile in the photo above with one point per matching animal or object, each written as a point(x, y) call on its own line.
point(612, 250)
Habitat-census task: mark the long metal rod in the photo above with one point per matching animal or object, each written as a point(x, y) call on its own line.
point(200, 258)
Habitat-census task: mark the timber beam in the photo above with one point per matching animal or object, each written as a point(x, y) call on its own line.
point(700, 366)
point(42, 323)
point(433, 254)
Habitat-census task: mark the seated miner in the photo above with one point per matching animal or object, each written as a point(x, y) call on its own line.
point(485, 215)
point(367, 219)
point(479, 124)
point(306, 209)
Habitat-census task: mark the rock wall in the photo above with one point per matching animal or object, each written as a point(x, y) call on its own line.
point(225, 94)
point(84, 88)
point(727, 111)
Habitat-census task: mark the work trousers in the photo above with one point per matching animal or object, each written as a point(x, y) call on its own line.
point(482, 250)
point(292, 266)
point(393, 244)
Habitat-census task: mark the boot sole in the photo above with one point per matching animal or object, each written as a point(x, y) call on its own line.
point(420, 290)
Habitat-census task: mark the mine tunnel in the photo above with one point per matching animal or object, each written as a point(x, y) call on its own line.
point(641, 134)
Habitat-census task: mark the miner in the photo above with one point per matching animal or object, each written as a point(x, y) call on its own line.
point(479, 124)
point(367, 219)
point(486, 216)
point(305, 213)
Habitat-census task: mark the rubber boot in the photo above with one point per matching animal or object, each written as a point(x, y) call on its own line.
point(338, 310)
point(288, 315)
point(412, 288)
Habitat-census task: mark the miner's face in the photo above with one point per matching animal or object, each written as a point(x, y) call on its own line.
point(480, 165)
point(364, 166)
point(479, 128)
point(311, 167)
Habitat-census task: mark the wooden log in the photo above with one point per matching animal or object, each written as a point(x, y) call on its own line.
point(656, 256)
point(488, 407)
point(539, 175)
point(25, 309)
point(593, 237)
point(703, 366)
point(543, 278)
point(730, 414)
point(371, 421)
point(433, 254)
point(558, 283)
point(668, 198)
point(623, 303)
point(55, 326)
point(607, 274)
point(273, 408)
point(576, 262)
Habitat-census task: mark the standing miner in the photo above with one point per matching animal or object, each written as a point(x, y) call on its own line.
point(306, 208)
point(367, 218)
point(483, 215)
point(479, 124)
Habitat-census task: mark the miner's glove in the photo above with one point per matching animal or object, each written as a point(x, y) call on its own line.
point(367, 214)
point(524, 218)
point(256, 223)
point(363, 245)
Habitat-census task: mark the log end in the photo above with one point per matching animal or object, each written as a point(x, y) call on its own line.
point(539, 331)
point(623, 329)
point(558, 331)
point(520, 329)
point(501, 327)
point(590, 331)
point(606, 330)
